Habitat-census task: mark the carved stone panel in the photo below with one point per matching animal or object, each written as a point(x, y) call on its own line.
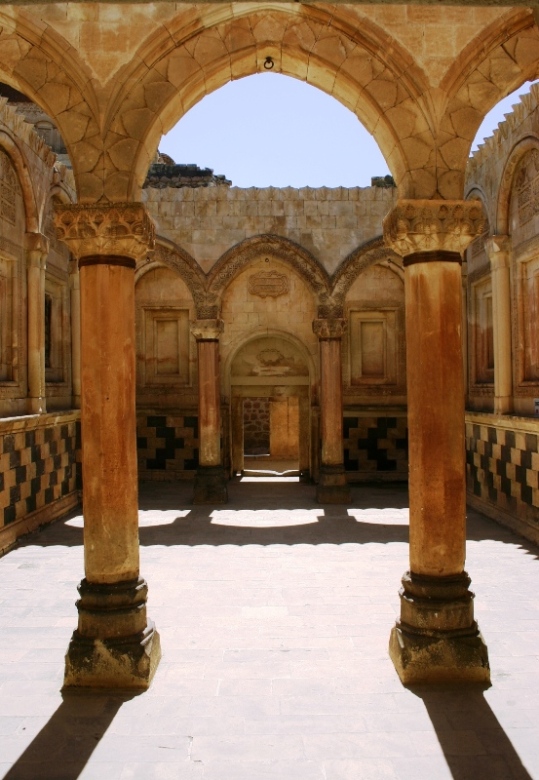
point(268, 284)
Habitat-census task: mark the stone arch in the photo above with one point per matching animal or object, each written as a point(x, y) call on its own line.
point(240, 256)
point(503, 201)
point(31, 211)
point(169, 255)
point(44, 67)
point(368, 254)
point(494, 64)
point(364, 68)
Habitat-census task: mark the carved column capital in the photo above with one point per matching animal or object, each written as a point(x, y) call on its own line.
point(420, 226)
point(329, 329)
point(122, 230)
point(207, 330)
point(37, 249)
point(498, 249)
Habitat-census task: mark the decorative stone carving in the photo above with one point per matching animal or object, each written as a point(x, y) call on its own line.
point(9, 191)
point(329, 329)
point(527, 187)
point(268, 284)
point(433, 225)
point(207, 330)
point(121, 230)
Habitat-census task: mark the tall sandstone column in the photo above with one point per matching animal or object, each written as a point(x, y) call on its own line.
point(74, 293)
point(332, 487)
point(210, 482)
point(436, 638)
point(115, 645)
point(498, 249)
point(37, 250)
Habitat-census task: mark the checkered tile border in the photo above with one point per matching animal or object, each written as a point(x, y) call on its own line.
point(503, 467)
point(376, 444)
point(37, 467)
point(167, 446)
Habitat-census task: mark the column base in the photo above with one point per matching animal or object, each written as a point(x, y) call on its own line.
point(332, 487)
point(129, 662)
point(437, 639)
point(210, 486)
point(115, 645)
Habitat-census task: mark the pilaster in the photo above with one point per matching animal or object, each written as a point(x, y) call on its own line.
point(436, 638)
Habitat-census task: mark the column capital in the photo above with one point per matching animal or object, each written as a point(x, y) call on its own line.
point(498, 249)
point(114, 229)
point(37, 249)
point(421, 226)
point(329, 328)
point(207, 330)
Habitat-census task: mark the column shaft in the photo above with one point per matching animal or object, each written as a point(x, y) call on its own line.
point(115, 644)
point(210, 482)
point(498, 250)
point(436, 638)
point(37, 251)
point(74, 287)
point(332, 486)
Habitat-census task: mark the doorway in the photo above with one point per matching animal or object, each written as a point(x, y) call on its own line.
point(271, 436)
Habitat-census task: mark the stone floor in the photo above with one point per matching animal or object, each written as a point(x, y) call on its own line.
point(274, 616)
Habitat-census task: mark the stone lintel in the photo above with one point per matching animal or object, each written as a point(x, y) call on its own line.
point(416, 226)
point(207, 329)
point(327, 329)
point(114, 229)
point(210, 486)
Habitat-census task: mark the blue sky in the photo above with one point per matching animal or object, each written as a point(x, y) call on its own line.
point(269, 129)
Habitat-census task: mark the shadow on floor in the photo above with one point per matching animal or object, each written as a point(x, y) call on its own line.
point(471, 737)
point(65, 744)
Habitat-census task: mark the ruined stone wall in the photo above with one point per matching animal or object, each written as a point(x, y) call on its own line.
point(328, 222)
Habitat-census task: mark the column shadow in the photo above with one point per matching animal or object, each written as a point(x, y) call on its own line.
point(473, 741)
point(65, 744)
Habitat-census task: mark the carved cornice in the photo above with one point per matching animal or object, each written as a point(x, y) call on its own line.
point(415, 226)
point(329, 329)
point(207, 330)
point(121, 230)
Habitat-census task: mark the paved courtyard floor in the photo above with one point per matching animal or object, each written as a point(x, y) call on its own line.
point(274, 614)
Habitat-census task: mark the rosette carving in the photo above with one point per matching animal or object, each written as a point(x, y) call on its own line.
point(329, 329)
point(121, 230)
point(414, 226)
point(207, 330)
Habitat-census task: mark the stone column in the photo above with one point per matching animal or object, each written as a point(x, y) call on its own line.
point(436, 638)
point(115, 645)
point(498, 249)
point(37, 250)
point(332, 487)
point(74, 292)
point(210, 482)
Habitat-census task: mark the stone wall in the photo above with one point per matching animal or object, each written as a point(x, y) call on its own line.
point(329, 222)
point(167, 445)
point(502, 465)
point(256, 426)
point(376, 446)
point(39, 471)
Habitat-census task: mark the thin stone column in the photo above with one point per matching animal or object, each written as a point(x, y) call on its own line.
point(115, 645)
point(210, 482)
point(498, 249)
point(436, 638)
point(74, 292)
point(37, 250)
point(332, 487)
